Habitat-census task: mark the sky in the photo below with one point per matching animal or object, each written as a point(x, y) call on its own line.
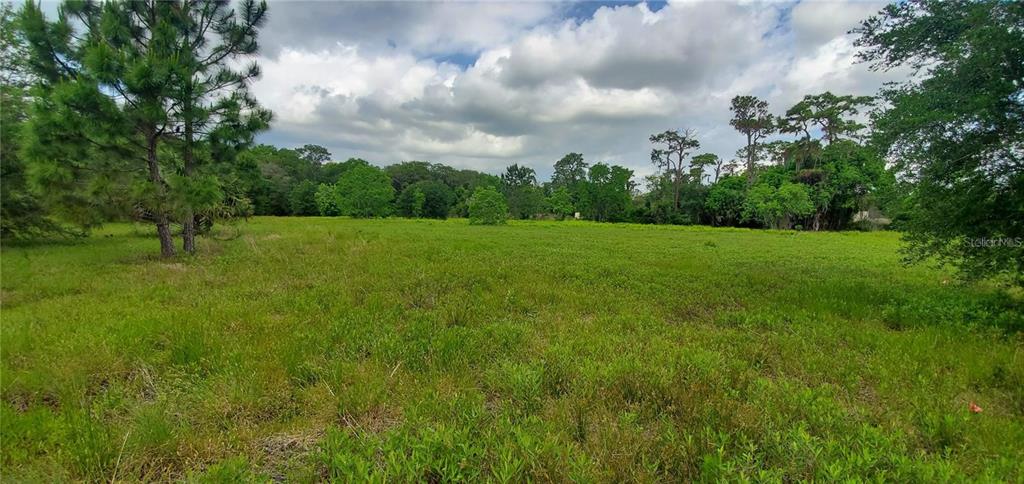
point(483, 85)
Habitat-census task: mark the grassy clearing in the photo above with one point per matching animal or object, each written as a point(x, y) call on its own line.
point(312, 348)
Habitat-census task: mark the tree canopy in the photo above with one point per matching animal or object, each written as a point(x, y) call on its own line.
point(956, 130)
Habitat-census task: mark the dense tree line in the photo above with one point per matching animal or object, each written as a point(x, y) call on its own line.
point(141, 110)
point(814, 183)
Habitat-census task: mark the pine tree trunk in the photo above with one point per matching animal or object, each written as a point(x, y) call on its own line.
point(188, 229)
point(163, 223)
point(750, 160)
point(188, 234)
point(163, 230)
point(675, 186)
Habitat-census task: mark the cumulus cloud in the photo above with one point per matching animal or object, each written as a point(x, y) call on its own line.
point(377, 80)
point(816, 23)
point(427, 28)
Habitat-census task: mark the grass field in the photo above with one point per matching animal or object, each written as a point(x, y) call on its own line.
point(407, 350)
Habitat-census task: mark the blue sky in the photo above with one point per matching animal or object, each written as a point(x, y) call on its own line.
point(486, 84)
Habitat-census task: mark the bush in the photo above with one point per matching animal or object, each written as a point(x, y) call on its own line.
point(487, 207)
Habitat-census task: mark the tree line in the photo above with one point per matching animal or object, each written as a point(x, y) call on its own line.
point(817, 180)
point(142, 110)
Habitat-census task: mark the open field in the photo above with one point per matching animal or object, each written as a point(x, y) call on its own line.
point(313, 348)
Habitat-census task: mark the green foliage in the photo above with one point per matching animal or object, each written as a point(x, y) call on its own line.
point(272, 175)
point(364, 191)
point(194, 194)
point(956, 130)
point(560, 203)
point(460, 185)
point(327, 200)
point(700, 164)
point(303, 199)
point(525, 198)
point(487, 207)
point(607, 193)
point(777, 207)
point(658, 205)
point(139, 106)
point(726, 201)
point(23, 216)
point(330, 172)
point(832, 115)
point(847, 177)
point(570, 173)
point(751, 118)
point(670, 158)
point(314, 154)
point(409, 172)
point(427, 198)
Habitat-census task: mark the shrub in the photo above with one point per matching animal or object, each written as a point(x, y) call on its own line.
point(487, 207)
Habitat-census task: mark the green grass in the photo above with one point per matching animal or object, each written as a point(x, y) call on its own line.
point(408, 350)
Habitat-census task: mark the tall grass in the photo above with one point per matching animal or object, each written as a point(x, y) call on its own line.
point(410, 350)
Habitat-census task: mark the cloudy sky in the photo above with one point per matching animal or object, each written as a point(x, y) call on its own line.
point(486, 84)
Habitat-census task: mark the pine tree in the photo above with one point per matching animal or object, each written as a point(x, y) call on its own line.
point(214, 113)
point(23, 215)
point(138, 97)
point(106, 74)
point(751, 117)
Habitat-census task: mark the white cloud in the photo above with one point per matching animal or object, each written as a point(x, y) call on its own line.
point(419, 27)
point(542, 85)
point(815, 23)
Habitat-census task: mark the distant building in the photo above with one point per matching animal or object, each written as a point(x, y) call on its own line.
point(873, 218)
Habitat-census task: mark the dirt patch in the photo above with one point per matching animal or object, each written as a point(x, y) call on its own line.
point(376, 420)
point(280, 449)
point(285, 444)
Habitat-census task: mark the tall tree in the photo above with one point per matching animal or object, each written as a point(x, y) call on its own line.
point(750, 116)
point(672, 158)
point(833, 115)
point(408, 172)
point(956, 130)
point(609, 190)
point(211, 105)
point(569, 170)
point(144, 93)
point(104, 97)
point(364, 191)
point(704, 161)
point(560, 203)
point(570, 173)
point(520, 186)
point(427, 198)
point(314, 154)
point(23, 215)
